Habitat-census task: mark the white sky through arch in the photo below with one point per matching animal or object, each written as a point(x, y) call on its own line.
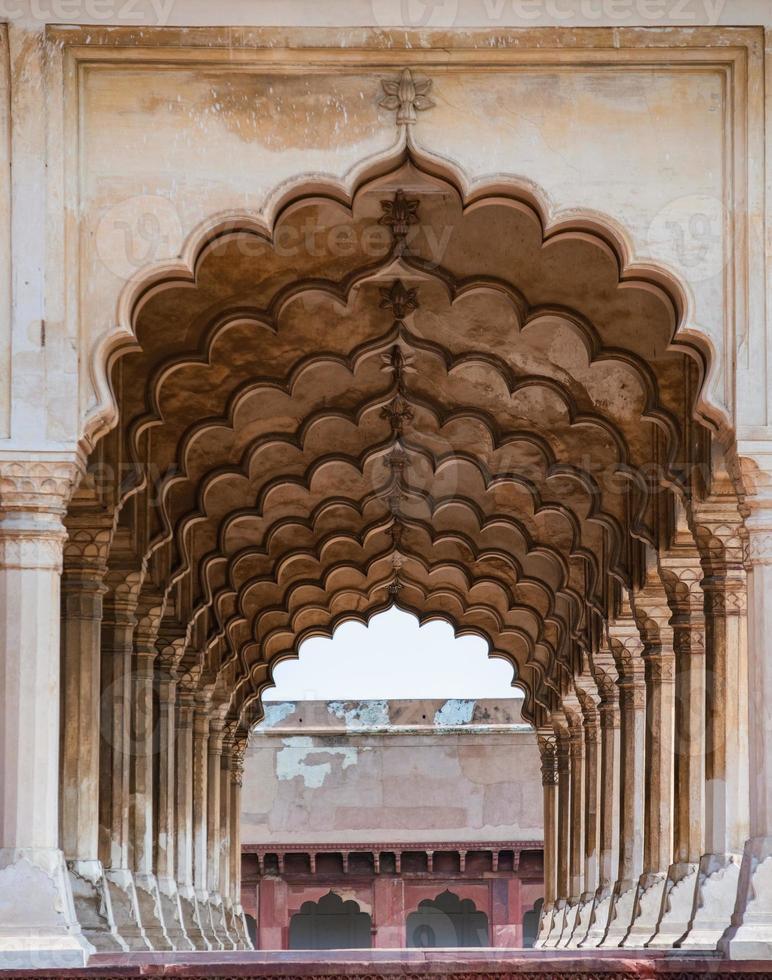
point(392, 658)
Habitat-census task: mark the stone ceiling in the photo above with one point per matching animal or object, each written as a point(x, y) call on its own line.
point(413, 397)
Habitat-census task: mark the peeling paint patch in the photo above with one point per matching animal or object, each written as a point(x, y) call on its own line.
point(361, 714)
point(456, 711)
point(293, 760)
point(275, 713)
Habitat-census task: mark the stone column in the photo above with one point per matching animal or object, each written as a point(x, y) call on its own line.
point(213, 828)
point(750, 934)
point(184, 815)
point(628, 649)
point(85, 558)
point(549, 779)
point(563, 821)
point(38, 926)
point(576, 831)
point(610, 790)
point(166, 824)
point(592, 805)
point(226, 763)
point(200, 813)
point(244, 941)
point(141, 782)
point(720, 535)
point(118, 622)
point(682, 574)
point(653, 616)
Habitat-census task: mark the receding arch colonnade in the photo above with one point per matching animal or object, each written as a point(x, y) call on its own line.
point(420, 396)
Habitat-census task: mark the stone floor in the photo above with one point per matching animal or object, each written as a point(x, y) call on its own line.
point(485, 964)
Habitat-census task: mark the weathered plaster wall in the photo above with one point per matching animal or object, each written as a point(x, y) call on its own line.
point(392, 771)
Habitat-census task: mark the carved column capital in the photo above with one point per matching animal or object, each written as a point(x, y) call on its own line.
point(39, 485)
point(547, 744)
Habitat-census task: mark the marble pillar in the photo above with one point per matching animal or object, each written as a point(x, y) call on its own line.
point(563, 829)
point(658, 829)
point(588, 698)
point(576, 833)
point(549, 778)
point(609, 778)
point(38, 925)
point(117, 643)
point(750, 934)
point(727, 826)
point(214, 828)
point(226, 762)
point(682, 575)
point(166, 823)
point(237, 769)
point(200, 814)
point(82, 590)
point(141, 816)
point(184, 818)
point(628, 649)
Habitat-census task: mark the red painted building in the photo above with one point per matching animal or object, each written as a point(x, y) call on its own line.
point(392, 824)
point(413, 895)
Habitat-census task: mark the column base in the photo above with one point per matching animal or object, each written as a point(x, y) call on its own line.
point(569, 922)
point(151, 912)
point(172, 913)
point(583, 919)
point(123, 900)
point(647, 909)
point(750, 935)
point(620, 913)
point(93, 908)
point(677, 906)
point(38, 925)
point(207, 924)
point(245, 942)
point(558, 922)
point(191, 919)
point(714, 900)
point(601, 906)
point(220, 921)
point(545, 926)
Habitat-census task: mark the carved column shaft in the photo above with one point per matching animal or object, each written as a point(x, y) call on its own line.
point(689, 630)
point(165, 845)
point(632, 709)
point(549, 779)
point(142, 760)
point(31, 542)
point(592, 806)
point(37, 916)
point(235, 834)
point(760, 673)
point(658, 836)
point(214, 826)
point(82, 590)
point(226, 778)
point(563, 816)
point(200, 796)
point(118, 624)
point(726, 759)
point(184, 791)
point(610, 771)
point(577, 827)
